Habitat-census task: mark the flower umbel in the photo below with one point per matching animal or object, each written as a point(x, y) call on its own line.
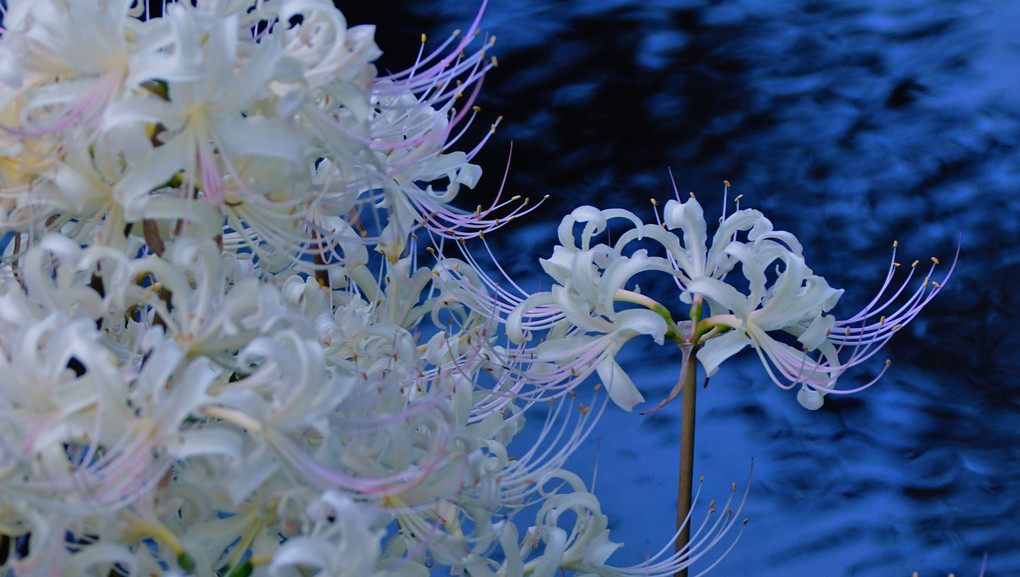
point(783, 310)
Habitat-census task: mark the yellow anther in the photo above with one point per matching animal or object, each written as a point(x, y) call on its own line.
point(936, 284)
point(895, 244)
point(895, 264)
point(727, 183)
point(737, 199)
point(702, 480)
point(692, 195)
point(913, 264)
point(423, 39)
point(734, 486)
point(881, 320)
point(495, 62)
point(888, 363)
point(935, 260)
point(476, 108)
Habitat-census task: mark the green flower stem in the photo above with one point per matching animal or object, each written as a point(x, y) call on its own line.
point(696, 329)
point(688, 377)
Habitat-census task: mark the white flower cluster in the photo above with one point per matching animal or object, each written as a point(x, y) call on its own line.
point(219, 354)
point(781, 308)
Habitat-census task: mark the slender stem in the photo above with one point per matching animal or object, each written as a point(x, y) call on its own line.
point(688, 376)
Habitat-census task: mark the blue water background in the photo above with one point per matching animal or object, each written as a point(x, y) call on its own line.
point(851, 123)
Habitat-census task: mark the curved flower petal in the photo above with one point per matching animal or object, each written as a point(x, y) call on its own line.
point(716, 350)
point(621, 389)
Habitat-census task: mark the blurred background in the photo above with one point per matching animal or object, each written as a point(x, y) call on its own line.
point(851, 123)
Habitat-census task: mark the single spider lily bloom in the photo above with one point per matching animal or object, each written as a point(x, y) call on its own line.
point(585, 331)
point(417, 116)
point(334, 57)
point(206, 122)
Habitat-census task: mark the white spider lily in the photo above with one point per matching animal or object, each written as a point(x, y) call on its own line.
point(585, 327)
point(206, 121)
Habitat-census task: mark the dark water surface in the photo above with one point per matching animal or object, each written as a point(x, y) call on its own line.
point(850, 123)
